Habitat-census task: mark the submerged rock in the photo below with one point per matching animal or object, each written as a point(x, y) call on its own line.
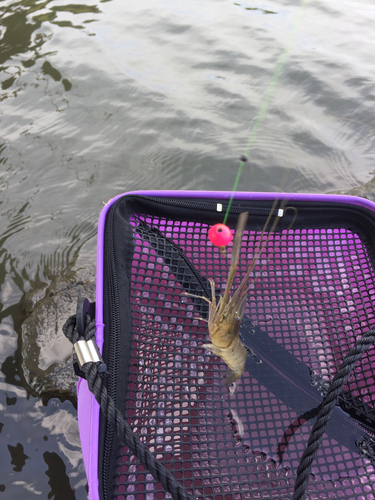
point(364, 191)
point(47, 358)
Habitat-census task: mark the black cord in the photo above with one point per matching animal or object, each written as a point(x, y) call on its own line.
point(292, 429)
point(94, 374)
point(326, 409)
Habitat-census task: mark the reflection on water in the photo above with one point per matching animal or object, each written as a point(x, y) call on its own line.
point(102, 97)
point(19, 44)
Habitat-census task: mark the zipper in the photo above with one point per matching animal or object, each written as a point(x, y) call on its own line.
point(210, 207)
point(113, 352)
point(331, 207)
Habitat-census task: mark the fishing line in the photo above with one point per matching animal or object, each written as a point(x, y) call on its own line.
point(265, 103)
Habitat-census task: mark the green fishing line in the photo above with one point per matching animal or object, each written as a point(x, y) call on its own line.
point(265, 103)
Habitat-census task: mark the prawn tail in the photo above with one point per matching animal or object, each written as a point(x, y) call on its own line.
point(235, 358)
point(231, 376)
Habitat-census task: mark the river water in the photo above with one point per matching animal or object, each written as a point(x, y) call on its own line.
point(99, 98)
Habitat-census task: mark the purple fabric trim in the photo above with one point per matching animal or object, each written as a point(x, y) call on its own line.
point(88, 408)
point(87, 422)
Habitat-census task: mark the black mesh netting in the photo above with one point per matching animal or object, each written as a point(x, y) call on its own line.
point(311, 296)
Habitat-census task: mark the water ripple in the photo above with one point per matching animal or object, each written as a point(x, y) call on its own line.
point(102, 97)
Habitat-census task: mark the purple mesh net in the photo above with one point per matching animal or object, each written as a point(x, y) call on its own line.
point(311, 295)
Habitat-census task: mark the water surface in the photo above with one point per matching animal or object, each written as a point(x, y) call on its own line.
point(99, 98)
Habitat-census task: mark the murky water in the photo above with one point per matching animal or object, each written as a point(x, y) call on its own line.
point(99, 98)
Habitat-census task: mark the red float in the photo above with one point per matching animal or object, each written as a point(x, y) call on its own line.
point(220, 235)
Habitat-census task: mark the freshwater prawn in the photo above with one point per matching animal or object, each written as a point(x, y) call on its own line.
point(225, 315)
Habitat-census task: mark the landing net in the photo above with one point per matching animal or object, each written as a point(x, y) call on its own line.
point(312, 296)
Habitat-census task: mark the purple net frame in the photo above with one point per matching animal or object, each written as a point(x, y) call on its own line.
point(88, 408)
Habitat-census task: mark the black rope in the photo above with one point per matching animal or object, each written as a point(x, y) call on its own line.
point(71, 333)
point(326, 409)
point(292, 429)
point(94, 373)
